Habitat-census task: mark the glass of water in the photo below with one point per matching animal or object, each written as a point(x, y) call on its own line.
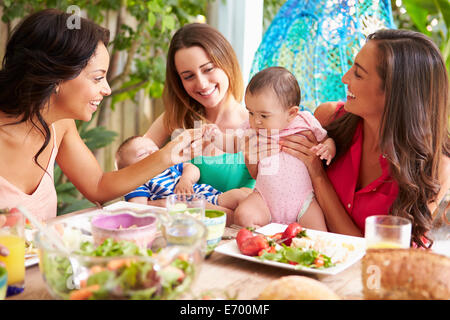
point(191, 204)
point(386, 231)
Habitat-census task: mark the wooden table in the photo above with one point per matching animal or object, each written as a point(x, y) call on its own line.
point(223, 275)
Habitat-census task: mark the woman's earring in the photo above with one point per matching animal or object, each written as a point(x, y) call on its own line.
point(56, 90)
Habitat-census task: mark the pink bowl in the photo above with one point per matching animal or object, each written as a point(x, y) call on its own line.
point(124, 226)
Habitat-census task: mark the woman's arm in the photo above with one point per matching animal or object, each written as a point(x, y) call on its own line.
point(249, 145)
point(158, 132)
point(299, 146)
point(256, 147)
point(325, 113)
point(80, 166)
point(336, 216)
point(252, 168)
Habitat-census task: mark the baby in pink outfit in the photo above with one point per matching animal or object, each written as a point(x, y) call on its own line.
point(283, 191)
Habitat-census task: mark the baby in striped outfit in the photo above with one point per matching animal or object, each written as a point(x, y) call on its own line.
point(180, 178)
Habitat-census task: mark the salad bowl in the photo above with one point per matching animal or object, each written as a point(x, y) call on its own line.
point(116, 268)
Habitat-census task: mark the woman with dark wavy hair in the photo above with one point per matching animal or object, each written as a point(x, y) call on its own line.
point(391, 135)
point(52, 75)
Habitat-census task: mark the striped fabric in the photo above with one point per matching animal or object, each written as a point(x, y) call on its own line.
point(164, 184)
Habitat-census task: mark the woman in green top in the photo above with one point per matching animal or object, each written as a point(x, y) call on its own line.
point(204, 85)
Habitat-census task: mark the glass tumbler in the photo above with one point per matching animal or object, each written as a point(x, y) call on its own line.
point(387, 232)
point(12, 236)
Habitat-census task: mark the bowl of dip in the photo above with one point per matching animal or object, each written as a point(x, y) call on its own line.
point(126, 226)
point(214, 221)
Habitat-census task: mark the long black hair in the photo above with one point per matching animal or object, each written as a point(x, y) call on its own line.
point(44, 51)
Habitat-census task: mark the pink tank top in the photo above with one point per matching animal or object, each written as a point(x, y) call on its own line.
point(43, 201)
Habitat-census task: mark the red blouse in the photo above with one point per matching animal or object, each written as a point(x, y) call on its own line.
point(374, 199)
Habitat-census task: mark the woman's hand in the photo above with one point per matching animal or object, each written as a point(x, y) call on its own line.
point(302, 146)
point(3, 252)
point(257, 147)
point(187, 145)
point(212, 132)
point(213, 137)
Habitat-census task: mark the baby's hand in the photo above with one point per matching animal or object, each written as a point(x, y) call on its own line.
point(184, 186)
point(214, 135)
point(324, 151)
point(211, 131)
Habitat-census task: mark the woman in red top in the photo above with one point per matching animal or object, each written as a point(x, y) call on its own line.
point(391, 135)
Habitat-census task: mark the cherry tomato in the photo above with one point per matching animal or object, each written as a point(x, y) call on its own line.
point(271, 249)
point(243, 235)
point(277, 236)
point(319, 261)
point(291, 231)
point(253, 245)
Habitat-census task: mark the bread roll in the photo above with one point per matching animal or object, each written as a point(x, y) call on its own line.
point(397, 274)
point(297, 288)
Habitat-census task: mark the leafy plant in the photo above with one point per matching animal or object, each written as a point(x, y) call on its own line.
point(138, 52)
point(69, 199)
point(430, 17)
point(271, 8)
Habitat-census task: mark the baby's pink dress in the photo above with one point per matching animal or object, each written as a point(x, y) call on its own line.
point(283, 181)
point(43, 201)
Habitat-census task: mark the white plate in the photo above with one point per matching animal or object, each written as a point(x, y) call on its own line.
point(31, 260)
point(231, 249)
point(124, 204)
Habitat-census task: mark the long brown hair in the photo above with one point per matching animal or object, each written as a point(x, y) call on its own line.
point(42, 53)
point(181, 109)
point(414, 130)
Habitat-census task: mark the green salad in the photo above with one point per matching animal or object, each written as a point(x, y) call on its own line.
point(298, 257)
point(127, 277)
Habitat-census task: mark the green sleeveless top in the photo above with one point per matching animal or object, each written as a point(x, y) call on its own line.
point(224, 172)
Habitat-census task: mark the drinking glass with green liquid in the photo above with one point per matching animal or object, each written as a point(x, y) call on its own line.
point(190, 204)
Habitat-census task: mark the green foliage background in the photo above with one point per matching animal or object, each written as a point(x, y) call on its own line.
point(145, 44)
